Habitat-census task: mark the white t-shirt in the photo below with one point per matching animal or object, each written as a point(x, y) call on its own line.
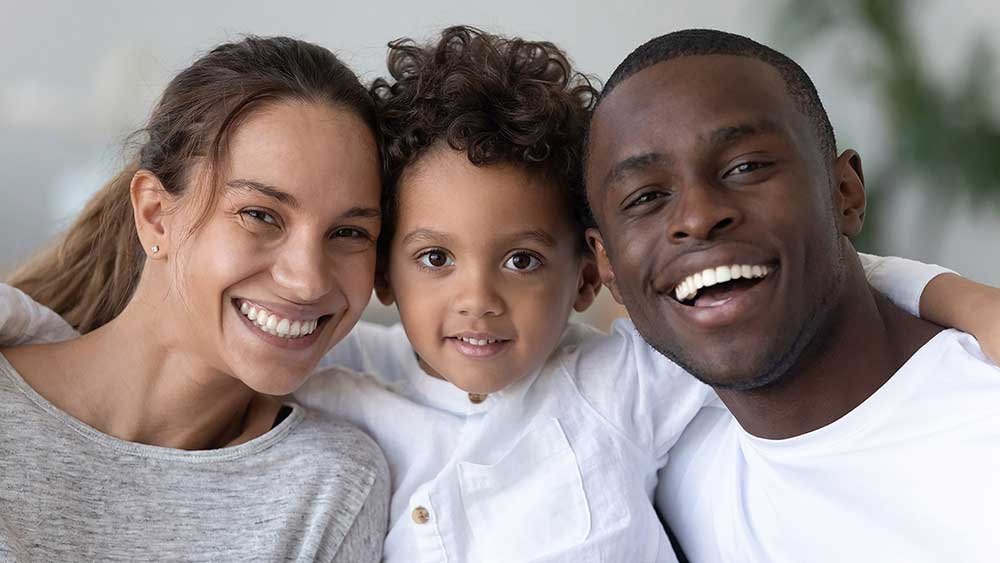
point(910, 475)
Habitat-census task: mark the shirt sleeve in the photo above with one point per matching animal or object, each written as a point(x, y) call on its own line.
point(901, 280)
point(370, 348)
point(25, 321)
point(643, 394)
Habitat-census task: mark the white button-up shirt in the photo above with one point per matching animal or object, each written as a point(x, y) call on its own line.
point(561, 465)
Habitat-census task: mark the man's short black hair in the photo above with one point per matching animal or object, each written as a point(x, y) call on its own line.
point(697, 42)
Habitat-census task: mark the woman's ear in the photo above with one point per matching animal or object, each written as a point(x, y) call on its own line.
point(606, 272)
point(849, 195)
point(149, 201)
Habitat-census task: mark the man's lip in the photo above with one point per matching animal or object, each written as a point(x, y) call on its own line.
point(696, 261)
point(737, 309)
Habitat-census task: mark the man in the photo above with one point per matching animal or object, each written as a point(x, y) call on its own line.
point(857, 432)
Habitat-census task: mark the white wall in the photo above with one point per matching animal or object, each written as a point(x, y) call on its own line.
point(79, 76)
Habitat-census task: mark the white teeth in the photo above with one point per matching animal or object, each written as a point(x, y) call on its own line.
point(275, 325)
point(688, 288)
point(477, 342)
point(723, 274)
point(283, 327)
point(709, 277)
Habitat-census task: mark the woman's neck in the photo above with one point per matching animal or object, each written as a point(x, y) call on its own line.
point(134, 380)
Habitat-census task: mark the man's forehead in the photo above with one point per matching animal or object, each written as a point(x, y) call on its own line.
point(684, 100)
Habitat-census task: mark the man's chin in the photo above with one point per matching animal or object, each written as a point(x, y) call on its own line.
point(735, 370)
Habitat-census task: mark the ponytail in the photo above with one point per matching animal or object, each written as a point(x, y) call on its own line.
point(89, 275)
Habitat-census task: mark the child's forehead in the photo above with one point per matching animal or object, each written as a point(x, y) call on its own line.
point(448, 193)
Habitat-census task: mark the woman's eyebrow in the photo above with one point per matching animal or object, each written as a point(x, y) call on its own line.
point(265, 189)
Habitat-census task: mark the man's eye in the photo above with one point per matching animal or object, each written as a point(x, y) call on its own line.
point(522, 262)
point(644, 198)
point(746, 168)
point(259, 215)
point(435, 259)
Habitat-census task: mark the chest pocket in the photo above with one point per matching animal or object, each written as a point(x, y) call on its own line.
point(531, 503)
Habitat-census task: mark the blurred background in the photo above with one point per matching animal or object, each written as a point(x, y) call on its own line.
point(909, 84)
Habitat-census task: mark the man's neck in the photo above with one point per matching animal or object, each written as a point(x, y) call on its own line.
point(867, 339)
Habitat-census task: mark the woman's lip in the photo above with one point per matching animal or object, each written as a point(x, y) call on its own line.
point(300, 343)
point(290, 312)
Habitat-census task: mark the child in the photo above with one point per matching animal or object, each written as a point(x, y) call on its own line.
point(511, 435)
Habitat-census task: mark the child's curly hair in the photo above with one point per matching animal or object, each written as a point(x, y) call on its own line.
point(500, 100)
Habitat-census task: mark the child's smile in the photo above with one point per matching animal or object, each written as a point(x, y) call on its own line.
point(485, 268)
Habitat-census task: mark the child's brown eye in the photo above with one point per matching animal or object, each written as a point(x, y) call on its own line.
point(435, 259)
point(522, 262)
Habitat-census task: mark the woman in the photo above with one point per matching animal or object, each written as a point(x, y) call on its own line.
point(218, 269)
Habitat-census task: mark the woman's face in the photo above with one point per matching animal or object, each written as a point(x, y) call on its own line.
point(283, 266)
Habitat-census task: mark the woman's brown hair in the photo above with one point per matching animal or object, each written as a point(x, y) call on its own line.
point(89, 275)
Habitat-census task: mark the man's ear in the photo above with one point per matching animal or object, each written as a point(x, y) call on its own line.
point(383, 290)
point(849, 196)
point(604, 269)
point(588, 285)
point(150, 201)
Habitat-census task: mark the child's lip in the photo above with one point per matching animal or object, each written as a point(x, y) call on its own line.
point(478, 335)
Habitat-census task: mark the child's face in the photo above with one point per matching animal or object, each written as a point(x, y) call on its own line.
point(485, 269)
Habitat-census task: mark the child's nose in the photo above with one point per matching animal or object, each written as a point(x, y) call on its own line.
point(478, 297)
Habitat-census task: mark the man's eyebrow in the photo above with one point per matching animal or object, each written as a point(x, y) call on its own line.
point(731, 133)
point(265, 189)
point(632, 164)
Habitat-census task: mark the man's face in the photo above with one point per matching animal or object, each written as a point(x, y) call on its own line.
point(716, 215)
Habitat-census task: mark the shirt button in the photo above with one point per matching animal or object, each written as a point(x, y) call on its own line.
point(476, 398)
point(421, 515)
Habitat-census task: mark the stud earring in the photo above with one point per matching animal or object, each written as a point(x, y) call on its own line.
point(156, 248)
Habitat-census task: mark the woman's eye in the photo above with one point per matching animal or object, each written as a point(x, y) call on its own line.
point(258, 215)
point(435, 259)
point(350, 232)
point(522, 262)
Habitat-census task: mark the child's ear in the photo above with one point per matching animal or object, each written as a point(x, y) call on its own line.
point(149, 202)
point(605, 271)
point(588, 286)
point(849, 195)
point(383, 290)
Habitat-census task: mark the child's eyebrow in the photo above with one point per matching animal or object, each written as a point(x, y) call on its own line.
point(425, 235)
point(533, 235)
